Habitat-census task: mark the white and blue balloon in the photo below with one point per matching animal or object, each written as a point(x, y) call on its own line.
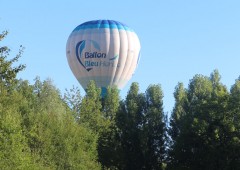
point(105, 51)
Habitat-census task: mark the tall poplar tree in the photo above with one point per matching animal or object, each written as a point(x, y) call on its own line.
point(154, 138)
point(142, 129)
point(108, 141)
point(129, 122)
point(234, 126)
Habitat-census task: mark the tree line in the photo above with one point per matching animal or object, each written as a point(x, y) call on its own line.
point(42, 129)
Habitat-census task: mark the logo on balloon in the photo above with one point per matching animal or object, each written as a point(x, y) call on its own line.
point(89, 55)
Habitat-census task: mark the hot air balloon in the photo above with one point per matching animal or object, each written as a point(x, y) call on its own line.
point(105, 51)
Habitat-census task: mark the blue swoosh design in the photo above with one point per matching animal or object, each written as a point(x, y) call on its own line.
point(81, 45)
point(113, 58)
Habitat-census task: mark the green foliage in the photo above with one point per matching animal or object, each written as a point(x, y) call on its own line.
point(37, 129)
point(8, 72)
point(41, 130)
point(90, 109)
point(56, 140)
point(73, 100)
point(108, 142)
point(234, 125)
point(154, 128)
point(142, 129)
point(129, 122)
point(202, 128)
point(178, 113)
point(14, 153)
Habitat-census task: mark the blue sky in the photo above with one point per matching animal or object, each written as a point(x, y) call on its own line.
point(179, 38)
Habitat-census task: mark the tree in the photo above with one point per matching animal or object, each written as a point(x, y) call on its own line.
point(205, 135)
point(154, 129)
point(234, 126)
point(108, 141)
point(8, 72)
point(14, 152)
point(73, 100)
point(91, 115)
point(37, 130)
point(55, 139)
point(178, 113)
point(129, 122)
point(142, 129)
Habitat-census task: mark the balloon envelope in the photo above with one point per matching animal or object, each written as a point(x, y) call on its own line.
point(105, 51)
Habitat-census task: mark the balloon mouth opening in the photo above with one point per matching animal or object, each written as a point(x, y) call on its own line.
point(103, 92)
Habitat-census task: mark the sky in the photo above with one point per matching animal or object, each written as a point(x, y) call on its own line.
point(179, 38)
